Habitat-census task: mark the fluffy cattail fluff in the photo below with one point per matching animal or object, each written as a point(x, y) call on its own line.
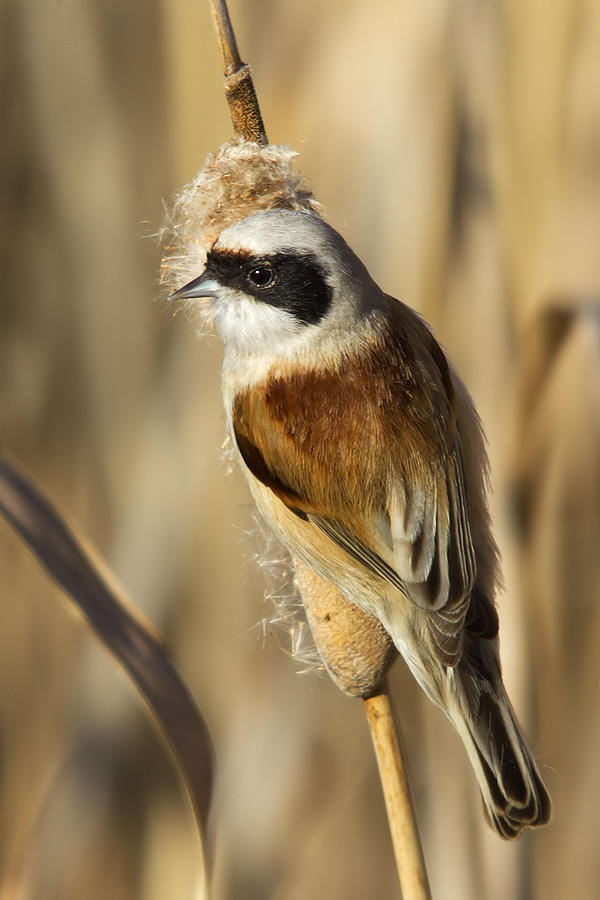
point(239, 179)
point(287, 618)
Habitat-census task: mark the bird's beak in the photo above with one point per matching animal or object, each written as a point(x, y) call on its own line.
point(203, 286)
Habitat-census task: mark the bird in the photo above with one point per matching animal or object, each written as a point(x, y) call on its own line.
point(365, 454)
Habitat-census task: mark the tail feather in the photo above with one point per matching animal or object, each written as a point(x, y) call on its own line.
point(514, 793)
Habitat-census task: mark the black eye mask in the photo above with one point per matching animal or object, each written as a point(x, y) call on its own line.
point(288, 280)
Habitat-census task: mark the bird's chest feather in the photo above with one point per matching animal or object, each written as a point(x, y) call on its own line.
point(331, 439)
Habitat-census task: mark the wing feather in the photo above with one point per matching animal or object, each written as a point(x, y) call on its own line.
point(431, 536)
point(358, 549)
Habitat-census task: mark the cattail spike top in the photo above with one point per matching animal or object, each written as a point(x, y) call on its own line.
point(239, 87)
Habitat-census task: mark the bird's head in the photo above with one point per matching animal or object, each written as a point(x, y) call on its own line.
point(281, 279)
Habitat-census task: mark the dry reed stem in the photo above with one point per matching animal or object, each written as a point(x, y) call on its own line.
point(393, 772)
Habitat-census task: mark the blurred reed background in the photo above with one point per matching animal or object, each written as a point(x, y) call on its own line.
point(457, 147)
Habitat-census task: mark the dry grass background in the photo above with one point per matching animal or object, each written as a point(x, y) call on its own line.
point(457, 147)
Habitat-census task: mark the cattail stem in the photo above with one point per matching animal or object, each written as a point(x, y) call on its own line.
point(393, 772)
point(230, 54)
point(239, 87)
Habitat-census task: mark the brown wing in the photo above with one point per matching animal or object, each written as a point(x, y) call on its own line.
point(445, 625)
point(302, 507)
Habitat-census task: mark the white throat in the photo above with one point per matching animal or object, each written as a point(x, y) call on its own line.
point(253, 328)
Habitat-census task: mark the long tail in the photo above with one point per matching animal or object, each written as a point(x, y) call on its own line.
point(514, 793)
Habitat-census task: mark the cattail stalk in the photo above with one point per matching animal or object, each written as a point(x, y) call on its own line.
point(357, 652)
point(393, 771)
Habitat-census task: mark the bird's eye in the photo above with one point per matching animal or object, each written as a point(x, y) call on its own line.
point(261, 276)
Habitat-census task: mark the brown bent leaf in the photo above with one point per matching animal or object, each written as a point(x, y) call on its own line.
point(75, 567)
